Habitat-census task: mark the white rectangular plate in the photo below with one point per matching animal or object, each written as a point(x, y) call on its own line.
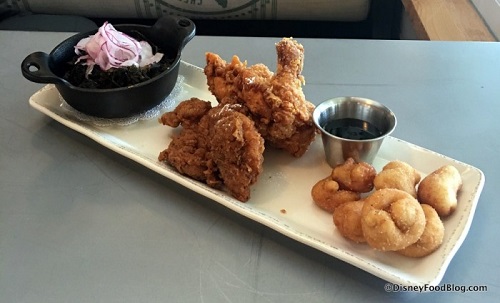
point(281, 198)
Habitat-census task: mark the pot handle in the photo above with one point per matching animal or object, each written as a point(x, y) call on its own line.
point(35, 67)
point(181, 28)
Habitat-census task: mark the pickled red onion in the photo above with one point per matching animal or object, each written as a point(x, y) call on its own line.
point(109, 48)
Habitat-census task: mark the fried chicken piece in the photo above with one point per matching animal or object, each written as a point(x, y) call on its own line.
point(186, 113)
point(225, 79)
point(236, 149)
point(219, 146)
point(187, 152)
point(276, 102)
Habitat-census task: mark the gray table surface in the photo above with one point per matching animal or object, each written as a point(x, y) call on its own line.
point(78, 223)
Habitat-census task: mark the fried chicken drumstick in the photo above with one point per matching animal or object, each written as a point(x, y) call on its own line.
point(219, 146)
point(274, 101)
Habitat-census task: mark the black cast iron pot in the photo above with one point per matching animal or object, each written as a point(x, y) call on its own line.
point(169, 33)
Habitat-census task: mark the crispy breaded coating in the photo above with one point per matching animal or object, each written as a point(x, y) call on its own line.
point(186, 113)
point(236, 149)
point(276, 102)
point(219, 146)
point(187, 151)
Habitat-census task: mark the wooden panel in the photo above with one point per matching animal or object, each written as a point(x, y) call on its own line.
point(455, 20)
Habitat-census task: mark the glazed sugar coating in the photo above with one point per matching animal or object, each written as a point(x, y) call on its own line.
point(327, 195)
point(440, 188)
point(431, 238)
point(399, 175)
point(347, 219)
point(354, 176)
point(392, 219)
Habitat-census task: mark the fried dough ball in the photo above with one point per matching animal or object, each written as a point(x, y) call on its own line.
point(431, 238)
point(392, 219)
point(327, 194)
point(354, 176)
point(439, 189)
point(347, 219)
point(399, 175)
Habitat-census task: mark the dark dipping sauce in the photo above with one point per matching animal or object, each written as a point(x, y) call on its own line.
point(354, 129)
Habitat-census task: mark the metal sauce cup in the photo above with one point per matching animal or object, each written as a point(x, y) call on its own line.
point(337, 148)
